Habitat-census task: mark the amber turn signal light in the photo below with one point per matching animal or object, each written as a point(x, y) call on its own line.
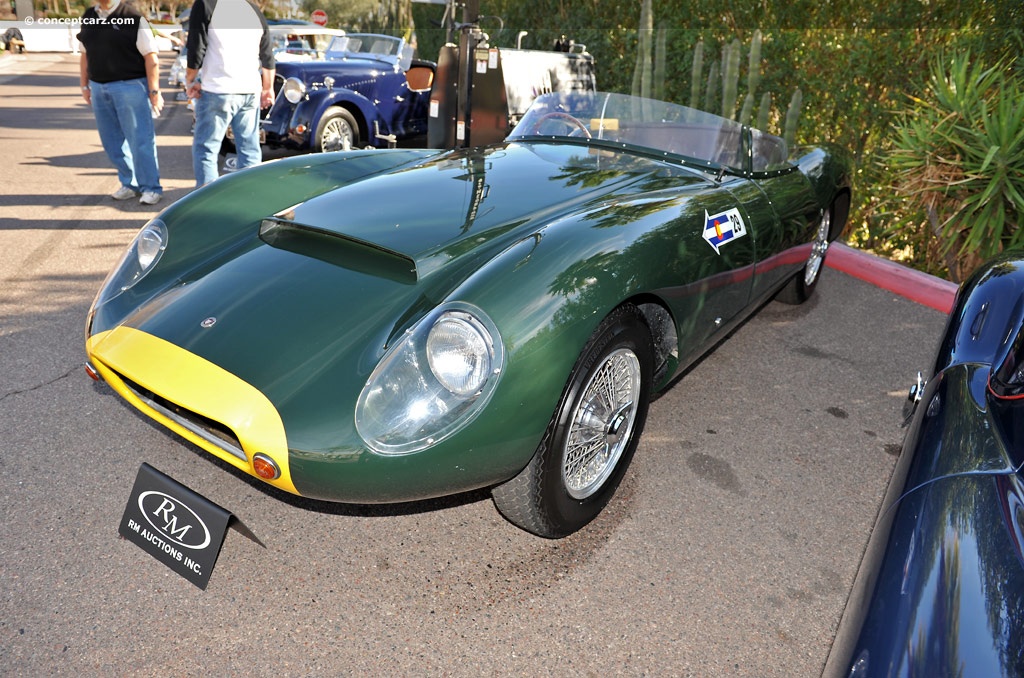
point(264, 467)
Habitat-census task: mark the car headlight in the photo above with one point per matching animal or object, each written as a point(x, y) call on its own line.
point(432, 382)
point(459, 353)
point(140, 258)
point(294, 90)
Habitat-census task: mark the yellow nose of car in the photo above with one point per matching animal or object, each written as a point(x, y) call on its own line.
point(226, 416)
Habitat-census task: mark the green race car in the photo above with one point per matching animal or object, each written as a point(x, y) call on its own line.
point(393, 325)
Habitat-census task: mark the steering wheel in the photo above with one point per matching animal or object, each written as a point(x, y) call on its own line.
point(564, 117)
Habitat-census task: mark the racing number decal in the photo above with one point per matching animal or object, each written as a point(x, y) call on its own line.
point(723, 228)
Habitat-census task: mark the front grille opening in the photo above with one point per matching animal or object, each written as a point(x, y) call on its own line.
point(208, 429)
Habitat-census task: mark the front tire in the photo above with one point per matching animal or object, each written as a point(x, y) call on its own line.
point(591, 437)
point(337, 131)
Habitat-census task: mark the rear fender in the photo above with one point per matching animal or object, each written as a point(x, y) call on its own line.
point(825, 167)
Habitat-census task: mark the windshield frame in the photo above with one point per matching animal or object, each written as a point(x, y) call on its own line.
point(399, 52)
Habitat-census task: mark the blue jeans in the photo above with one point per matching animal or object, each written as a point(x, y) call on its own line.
point(214, 112)
point(125, 123)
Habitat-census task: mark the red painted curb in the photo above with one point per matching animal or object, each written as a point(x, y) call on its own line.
point(914, 285)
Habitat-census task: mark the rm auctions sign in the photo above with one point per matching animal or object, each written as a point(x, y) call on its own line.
point(175, 525)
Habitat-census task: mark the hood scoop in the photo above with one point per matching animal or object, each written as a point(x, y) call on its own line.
point(337, 248)
point(448, 211)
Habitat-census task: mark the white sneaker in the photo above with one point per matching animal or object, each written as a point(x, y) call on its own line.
point(123, 193)
point(149, 198)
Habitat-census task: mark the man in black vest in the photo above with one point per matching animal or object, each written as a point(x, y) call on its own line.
point(120, 77)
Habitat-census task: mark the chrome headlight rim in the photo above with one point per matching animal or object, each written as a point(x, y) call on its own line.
point(405, 407)
point(294, 90)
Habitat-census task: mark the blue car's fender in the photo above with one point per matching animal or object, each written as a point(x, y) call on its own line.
point(940, 589)
point(311, 110)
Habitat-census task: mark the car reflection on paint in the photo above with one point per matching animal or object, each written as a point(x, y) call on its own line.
point(940, 591)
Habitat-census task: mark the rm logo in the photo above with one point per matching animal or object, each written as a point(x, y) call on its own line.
point(177, 526)
point(174, 520)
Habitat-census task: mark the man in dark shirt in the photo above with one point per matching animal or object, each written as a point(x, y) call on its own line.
point(120, 77)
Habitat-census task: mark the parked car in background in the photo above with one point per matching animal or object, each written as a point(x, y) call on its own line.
point(12, 40)
point(940, 590)
point(368, 91)
point(398, 324)
point(291, 41)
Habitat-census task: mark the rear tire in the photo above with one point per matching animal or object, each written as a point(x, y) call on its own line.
point(591, 437)
point(801, 287)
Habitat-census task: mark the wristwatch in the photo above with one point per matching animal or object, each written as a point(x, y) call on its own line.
point(154, 91)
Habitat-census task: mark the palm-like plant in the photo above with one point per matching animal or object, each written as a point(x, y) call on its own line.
point(959, 158)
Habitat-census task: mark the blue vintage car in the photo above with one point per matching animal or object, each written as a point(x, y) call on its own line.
point(940, 590)
point(368, 91)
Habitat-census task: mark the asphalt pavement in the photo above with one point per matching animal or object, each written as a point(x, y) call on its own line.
point(729, 550)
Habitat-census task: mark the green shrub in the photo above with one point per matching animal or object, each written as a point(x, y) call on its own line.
point(958, 161)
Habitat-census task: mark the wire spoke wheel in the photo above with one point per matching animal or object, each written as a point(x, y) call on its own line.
point(801, 287)
point(819, 250)
point(592, 435)
point(601, 424)
point(337, 136)
point(337, 131)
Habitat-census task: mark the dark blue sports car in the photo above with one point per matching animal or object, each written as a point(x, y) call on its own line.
point(940, 591)
point(368, 91)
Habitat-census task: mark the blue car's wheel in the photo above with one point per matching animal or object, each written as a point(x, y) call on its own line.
point(337, 131)
point(592, 436)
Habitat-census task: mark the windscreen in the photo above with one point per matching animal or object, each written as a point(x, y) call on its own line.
point(653, 126)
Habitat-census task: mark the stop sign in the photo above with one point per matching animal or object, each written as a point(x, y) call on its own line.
point(319, 17)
